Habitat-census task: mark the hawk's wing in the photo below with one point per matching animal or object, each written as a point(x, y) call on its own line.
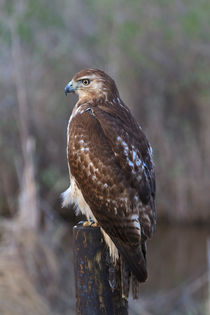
point(108, 159)
point(134, 153)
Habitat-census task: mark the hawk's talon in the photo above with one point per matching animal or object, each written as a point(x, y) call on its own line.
point(87, 223)
point(95, 224)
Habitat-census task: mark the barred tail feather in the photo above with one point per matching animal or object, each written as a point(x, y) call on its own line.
point(125, 278)
point(135, 287)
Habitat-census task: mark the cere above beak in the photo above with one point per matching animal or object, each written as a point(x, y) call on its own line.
point(69, 88)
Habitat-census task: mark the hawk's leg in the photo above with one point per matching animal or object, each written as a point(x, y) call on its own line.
point(90, 223)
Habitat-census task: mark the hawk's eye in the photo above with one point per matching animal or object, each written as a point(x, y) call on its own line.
point(85, 81)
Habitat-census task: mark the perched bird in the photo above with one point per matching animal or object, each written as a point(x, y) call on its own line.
point(112, 177)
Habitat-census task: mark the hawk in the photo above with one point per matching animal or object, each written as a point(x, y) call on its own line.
point(112, 177)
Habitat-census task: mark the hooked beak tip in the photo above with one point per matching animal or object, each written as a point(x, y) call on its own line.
point(66, 90)
point(69, 88)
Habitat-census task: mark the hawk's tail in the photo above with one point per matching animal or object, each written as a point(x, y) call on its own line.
point(132, 270)
point(136, 261)
point(133, 267)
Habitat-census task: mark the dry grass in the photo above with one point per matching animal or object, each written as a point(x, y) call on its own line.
point(31, 275)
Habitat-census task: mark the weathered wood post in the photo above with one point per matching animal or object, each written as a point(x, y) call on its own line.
point(92, 266)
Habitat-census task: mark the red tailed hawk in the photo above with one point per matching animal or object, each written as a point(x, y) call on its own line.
point(111, 169)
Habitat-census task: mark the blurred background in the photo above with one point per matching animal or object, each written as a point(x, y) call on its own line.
point(158, 52)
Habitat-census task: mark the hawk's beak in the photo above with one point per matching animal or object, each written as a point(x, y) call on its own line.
point(69, 88)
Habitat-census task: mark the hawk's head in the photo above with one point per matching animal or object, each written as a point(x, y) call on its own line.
point(92, 83)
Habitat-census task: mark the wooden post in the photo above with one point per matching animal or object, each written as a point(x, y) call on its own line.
point(93, 275)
